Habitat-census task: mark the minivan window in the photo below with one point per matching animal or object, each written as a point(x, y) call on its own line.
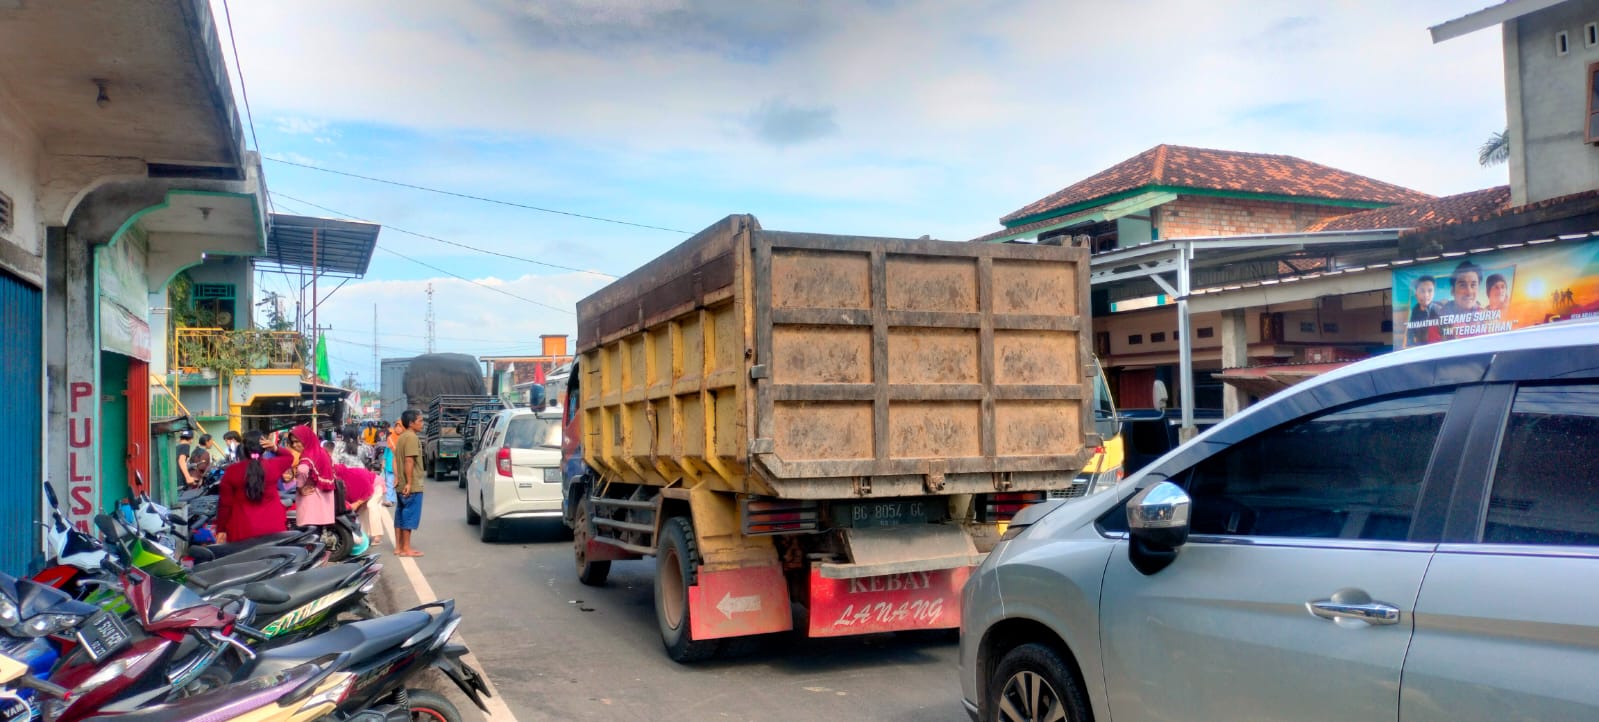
point(1353, 473)
point(1546, 481)
point(531, 432)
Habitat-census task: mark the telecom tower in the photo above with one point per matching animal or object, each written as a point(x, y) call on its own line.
point(430, 318)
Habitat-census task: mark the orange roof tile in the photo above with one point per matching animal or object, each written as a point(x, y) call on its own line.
point(1223, 170)
point(1461, 208)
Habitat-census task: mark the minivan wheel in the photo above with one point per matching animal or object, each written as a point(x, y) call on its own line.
point(1032, 684)
point(472, 517)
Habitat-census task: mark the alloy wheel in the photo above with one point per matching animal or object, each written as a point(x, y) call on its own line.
point(1028, 697)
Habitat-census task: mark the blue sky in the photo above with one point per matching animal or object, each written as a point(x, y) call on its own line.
point(895, 117)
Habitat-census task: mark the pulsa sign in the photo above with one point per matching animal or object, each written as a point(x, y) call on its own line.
point(1488, 293)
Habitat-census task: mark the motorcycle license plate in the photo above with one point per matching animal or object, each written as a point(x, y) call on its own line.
point(103, 635)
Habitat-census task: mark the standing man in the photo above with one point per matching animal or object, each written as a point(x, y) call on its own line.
point(185, 448)
point(408, 483)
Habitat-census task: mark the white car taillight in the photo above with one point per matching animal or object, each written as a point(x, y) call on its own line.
point(502, 462)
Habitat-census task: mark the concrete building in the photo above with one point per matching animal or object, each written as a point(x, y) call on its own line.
point(121, 162)
point(1551, 53)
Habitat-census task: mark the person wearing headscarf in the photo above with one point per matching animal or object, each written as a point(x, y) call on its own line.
point(363, 496)
point(247, 503)
point(313, 477)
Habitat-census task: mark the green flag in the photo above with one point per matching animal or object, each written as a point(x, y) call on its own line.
point(322, 372)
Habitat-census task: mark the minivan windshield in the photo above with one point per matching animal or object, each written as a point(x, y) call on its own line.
point(532, 432)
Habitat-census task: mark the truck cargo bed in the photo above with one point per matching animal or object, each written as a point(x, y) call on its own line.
point(822, 367)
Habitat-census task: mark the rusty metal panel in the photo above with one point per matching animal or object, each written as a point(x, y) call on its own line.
point(934, 429)
point(932, 356)
point(817, 279)
point(1035, 289)
point(1035, 357)
point(820, 430)
point(821, 355)
point(1035, 428)
point(921, 283)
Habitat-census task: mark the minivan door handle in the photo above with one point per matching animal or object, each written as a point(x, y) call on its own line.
point(1354, 605)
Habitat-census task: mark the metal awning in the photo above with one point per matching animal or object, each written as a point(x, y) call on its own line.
point(341, 248)
point(1263, 381)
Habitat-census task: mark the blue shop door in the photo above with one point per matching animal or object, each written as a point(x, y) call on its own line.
point(21, 405)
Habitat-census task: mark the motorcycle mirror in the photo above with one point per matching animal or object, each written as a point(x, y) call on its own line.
point(50, 496)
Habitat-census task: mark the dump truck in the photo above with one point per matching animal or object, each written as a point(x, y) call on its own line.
point(842, 423)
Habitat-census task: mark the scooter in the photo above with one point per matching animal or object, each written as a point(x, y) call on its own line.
point(384, 654)
point(297, 606)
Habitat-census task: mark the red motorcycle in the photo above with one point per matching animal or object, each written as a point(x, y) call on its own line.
point(119, 669)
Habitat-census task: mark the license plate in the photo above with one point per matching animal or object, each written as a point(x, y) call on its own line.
point(867, 514)
point(103, 636)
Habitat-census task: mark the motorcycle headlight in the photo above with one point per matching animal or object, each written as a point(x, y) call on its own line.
point(8, 612)
point(44, 624)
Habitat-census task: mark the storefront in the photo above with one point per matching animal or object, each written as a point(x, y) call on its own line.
point(21, 404)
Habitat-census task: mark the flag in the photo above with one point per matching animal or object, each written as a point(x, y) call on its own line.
point(323, 375)
point(538, 374)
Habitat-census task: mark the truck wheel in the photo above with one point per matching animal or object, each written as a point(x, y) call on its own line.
point(591, 574)
point(427, 467)
point(677, 569)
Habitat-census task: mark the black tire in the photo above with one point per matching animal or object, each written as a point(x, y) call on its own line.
point(488, 530)
point(460, 479)
point(431, 707)
point(677, 565)
point(591, 574)
point(1032, 683)
point(472, 517)
point(338, 540)
point(427, 466)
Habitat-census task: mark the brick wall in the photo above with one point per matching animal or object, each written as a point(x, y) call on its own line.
point(1191, 216)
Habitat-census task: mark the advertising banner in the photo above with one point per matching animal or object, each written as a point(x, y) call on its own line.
point(1487, 293)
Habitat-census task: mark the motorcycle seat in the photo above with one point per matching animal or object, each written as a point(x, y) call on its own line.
point(231, 702)
point(222, 576)
point(217, 551)
point(289, 556)
point(363, 640)
point(281, 594)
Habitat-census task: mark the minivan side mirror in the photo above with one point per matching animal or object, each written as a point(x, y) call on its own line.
point(1157, 524)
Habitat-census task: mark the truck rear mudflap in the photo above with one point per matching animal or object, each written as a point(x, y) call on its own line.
point(739, 603)
point(903, 578)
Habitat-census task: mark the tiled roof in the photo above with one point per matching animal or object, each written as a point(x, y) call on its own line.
point(1448, 210)
point(1223, 170)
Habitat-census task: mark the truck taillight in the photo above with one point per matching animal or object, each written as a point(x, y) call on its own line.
point(764, 516)
point(1001, 507)
point(502, 461)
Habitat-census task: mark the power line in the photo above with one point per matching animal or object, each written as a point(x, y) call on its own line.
point(442, 240)
point(244, 89)
point(475, 198)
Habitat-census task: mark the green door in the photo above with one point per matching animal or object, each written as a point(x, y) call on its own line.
point(113, 429)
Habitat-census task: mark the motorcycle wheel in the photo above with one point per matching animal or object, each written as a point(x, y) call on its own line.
point(338, 541)
point(430, 707)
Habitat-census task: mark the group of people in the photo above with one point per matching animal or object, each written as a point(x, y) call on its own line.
point(1427, 316)
point(361, 473)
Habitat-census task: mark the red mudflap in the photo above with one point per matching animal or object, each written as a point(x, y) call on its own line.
point(889, 603)
point(600, 552)
point(739, 602)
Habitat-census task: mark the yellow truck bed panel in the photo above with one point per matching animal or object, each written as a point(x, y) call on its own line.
point(823, 366)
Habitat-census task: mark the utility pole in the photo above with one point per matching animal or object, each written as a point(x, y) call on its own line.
point(316, 338)
point(430, 318)
point(377, 380)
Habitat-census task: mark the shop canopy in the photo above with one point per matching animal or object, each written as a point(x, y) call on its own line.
point(332, 248)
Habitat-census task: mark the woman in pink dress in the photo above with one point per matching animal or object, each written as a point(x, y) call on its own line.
point(313, 478)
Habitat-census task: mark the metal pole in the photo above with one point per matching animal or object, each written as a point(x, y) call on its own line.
point(1185, 344)
point(316, 335)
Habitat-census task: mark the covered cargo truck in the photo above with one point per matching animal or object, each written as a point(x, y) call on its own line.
point(841, 422)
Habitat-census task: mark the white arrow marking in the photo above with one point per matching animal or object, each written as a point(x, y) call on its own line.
point(731, 604)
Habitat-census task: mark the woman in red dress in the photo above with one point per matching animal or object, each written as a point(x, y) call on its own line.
point(248, 505)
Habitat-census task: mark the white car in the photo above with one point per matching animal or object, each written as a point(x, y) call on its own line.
point(516, 472)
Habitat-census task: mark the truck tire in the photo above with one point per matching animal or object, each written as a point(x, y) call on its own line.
point(589, 573)
point(676, 569)
point(427, 466)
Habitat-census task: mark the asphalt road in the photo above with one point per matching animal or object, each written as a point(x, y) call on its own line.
point(561, 651)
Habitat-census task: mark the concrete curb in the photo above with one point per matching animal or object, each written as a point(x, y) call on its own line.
point(401, 585)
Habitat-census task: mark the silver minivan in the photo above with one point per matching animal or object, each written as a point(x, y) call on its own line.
point(1413, 537)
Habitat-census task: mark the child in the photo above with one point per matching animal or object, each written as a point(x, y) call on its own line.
point(1420, 331)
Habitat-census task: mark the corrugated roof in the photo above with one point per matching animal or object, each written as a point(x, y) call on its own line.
point(1179, 166)
point(1448, 210)
point(341, 248)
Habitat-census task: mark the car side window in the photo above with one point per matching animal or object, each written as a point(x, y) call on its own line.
point(1351, 473)
point(1546, 480)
